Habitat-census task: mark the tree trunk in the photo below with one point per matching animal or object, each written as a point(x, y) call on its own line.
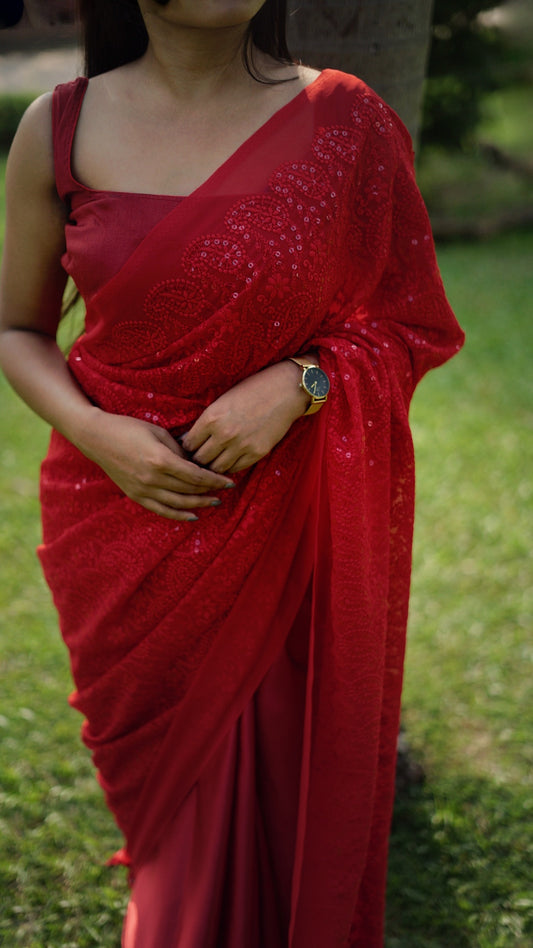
point(385, 42)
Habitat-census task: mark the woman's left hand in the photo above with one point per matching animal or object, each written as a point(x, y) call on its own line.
point(244, 424)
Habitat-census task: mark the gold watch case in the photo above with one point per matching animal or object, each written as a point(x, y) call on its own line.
point(314, 382)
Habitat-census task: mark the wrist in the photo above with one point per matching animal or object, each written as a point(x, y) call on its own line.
point(86, 431)
point(301, 398)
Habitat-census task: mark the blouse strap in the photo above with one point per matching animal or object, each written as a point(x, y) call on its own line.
point(67, 101)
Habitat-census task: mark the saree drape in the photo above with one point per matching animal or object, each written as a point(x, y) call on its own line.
point(311, 236)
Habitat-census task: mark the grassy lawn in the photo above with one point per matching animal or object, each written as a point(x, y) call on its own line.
point(460, 843)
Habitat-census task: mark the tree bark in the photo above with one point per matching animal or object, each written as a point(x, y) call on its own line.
point(385, 42)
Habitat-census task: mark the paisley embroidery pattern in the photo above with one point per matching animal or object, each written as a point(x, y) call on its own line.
point(291, 221)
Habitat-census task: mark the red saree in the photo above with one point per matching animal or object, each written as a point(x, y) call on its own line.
point(276, 621)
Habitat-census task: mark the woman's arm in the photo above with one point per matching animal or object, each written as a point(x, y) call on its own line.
point(142, 459)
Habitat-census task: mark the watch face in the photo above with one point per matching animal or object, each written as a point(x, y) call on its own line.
point(315, 382)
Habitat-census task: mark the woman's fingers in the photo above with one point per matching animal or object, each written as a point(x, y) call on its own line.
point(229, 461)
point(179, 485)
point(189, 478)
point(245, 461)
point(177, 506)
point(154, 506)
point(197, 436)
point(221, 458)
point(186, 474)
point(177, 501)
point(207, 453)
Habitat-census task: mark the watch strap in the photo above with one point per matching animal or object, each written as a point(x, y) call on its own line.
point(304, 363)
point(314, 406)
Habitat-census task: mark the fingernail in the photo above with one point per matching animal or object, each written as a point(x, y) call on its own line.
point(216, 502)
point(191, 517)
point(229, 484)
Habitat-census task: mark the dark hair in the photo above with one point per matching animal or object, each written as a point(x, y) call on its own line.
point(114, 34)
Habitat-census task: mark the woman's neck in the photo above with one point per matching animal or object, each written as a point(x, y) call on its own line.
point(193, 64)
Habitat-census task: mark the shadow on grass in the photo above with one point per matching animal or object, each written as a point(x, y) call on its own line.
point(458, 874)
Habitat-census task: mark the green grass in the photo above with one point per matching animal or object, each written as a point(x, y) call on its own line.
point(461, 843)
point(55, 831)
point(462, 846)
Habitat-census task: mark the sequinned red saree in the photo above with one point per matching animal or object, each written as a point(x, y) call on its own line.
point(240, 676)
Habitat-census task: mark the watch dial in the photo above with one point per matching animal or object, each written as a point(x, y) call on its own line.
point(316, 382)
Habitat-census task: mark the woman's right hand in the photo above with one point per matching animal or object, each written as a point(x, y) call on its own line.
point(149, 466)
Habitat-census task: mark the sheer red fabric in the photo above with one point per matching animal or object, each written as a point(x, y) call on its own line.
point(311, 236)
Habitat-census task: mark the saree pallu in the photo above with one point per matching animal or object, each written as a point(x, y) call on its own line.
point(311, 236)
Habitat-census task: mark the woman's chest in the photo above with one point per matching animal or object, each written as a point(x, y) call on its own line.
point(165, 155)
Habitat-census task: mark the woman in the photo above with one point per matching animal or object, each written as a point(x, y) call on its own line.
point(237, 653)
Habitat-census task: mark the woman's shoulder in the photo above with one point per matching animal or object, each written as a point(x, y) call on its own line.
point(30, 171)
point(349, 88)
point(36, 118)
point(350, 99)
point(33, 139)
point(307, 75)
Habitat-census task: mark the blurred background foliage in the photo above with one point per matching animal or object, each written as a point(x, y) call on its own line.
point(477, 48)
point(475, 159)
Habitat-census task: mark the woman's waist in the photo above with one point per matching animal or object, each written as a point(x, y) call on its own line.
point(68, 476)
point(162, 394)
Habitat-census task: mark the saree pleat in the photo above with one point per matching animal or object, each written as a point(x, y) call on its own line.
point(243, 831)
point(222, 877)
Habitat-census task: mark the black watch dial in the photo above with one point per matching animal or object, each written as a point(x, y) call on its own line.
point(315, 382)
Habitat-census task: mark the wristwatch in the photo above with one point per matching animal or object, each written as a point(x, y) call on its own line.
point(314, 382)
